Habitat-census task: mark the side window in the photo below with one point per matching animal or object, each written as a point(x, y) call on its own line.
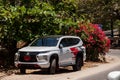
point(64, 42)
point(69, 41)
point(76, 41)
point(73, 41)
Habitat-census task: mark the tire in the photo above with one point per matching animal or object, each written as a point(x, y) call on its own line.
point(78, 64)
point(23, 71)
point(53, 66)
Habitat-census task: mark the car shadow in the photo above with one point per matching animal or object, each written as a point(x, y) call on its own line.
point(45, 72)
point(60, 71)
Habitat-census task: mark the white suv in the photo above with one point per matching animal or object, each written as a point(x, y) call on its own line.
point(51, 52)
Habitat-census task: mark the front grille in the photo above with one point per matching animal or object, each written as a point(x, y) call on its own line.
point(32, 56)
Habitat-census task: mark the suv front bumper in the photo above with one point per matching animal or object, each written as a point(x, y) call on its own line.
point(32, 65)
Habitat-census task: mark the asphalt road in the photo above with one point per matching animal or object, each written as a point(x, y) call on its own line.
point(103, 75)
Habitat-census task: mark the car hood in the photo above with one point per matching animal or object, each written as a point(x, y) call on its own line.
point(37, 49)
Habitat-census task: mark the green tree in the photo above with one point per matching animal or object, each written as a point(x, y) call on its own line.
point(23, 21)
point(98, 11)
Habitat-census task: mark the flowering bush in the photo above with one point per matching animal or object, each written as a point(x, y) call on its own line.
point(94, 40)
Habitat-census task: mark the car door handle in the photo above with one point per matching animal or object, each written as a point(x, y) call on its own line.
point(67, 51)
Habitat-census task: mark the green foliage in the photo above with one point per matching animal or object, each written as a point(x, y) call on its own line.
point(27, 19)
point(99, 11)
point(33, 19)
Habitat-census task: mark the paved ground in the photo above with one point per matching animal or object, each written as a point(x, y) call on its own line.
point(66, 74)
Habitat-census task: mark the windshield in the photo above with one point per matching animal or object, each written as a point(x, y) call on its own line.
point(45, 42)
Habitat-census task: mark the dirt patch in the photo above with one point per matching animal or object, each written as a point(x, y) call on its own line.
point(91, 64)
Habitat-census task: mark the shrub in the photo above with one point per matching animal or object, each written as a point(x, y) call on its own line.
point(96, 42)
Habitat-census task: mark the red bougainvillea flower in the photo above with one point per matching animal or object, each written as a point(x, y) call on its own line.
point(93, 37)
point(77, 31)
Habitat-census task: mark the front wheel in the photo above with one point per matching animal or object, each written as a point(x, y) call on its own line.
point(78, 64)
point(53, 66)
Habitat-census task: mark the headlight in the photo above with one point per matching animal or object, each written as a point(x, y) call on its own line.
point(16, 56)
point(41, 58)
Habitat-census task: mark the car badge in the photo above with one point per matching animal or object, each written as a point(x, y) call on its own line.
point(27, 53)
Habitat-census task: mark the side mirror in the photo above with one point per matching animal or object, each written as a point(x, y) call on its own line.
point(60, 46)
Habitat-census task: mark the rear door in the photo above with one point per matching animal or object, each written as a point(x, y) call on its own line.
point(66, 57)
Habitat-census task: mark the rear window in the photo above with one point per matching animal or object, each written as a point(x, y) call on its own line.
point(69, 41)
